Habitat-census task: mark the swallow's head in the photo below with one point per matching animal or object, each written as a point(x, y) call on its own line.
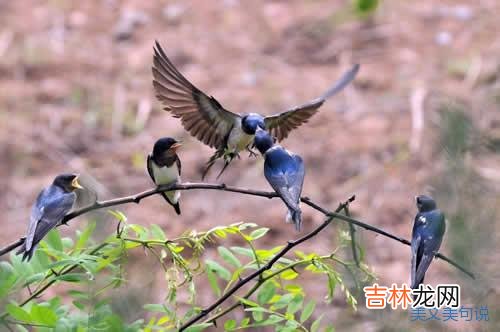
point(425, 203)
point(263, 140)
point(166, 147)
point(250, 123)
point(68, 182)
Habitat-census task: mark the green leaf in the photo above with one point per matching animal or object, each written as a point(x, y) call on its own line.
point(244, 322)
point(72, 277)
point(307, 311)
point(228, 257)
point(266, 292)
point(53, 239)
point(256, 309)
point(316, 324)
point(295, 289)
point(141, 231)
point(84, 237)
point(243, 251)
point(248, 302)
point(258, 315)
point(332, 283)
point(18, 313)
point(78, 294)
point(258, 233)
point(295, 304)
point(34, 278)
point(271, 320)
point(283, 301)
point(158, 232)
point(221, 271)
point(229, 325)
point(330, 328)
point(289, 274)
point(212, 280)
point(43, 315)
point(198, 327)
point(118, 215)
point(67, 242)
point(79, 305)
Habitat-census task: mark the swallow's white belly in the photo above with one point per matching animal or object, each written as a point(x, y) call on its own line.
point(166, 175)
point(238, 140)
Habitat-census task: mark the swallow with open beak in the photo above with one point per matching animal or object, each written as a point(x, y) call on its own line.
point(51, 206)
point(164, 167)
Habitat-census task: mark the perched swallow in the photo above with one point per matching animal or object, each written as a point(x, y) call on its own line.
point(51, 206)
point(164, 167)
point(428, 231)
point(228, 132)
point(285, 173)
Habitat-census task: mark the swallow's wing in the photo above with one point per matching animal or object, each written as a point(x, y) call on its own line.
point(149, 164)
point(296, 178)
point(179, 165)
point(280, 125)
point(53, 213)
point(202, 116)
point(36, 215)
point(415, 258)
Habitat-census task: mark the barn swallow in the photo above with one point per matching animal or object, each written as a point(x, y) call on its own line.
point(428, 230)
point(207, 120)
point(164, 167)
point(285, 173)
point(51, 206)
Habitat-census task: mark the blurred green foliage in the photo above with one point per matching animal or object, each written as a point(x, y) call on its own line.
point(365, 7)
point(90, 271)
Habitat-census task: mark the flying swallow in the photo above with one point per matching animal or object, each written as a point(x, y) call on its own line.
point(51, 206)
point(207, 120)
point(428, 230)
point(164, 167)
point(285, 173)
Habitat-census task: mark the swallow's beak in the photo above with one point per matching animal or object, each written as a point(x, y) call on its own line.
point(175, 146)
point(75, 184)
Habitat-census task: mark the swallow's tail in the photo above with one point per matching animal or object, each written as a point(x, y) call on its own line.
point(218, 154)
point(27, 254)
point(295, 216)
point(177, 208)
point(228, 158)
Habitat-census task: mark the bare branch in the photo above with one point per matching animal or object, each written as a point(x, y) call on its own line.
point(222, 187)
point(267, 266)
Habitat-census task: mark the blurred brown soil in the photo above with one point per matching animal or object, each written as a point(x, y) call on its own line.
point(76, 95)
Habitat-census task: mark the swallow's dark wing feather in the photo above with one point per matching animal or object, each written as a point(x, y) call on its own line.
point(52, 214)
point(416, 256)
point(201, 115)
point(179, 165)
point(149, 164)
point(281, 124)
point(36, 215)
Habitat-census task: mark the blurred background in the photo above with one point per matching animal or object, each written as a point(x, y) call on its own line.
point(421, 117)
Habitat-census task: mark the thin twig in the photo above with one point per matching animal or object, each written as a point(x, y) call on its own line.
point(222, 187)
point(267, 266)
